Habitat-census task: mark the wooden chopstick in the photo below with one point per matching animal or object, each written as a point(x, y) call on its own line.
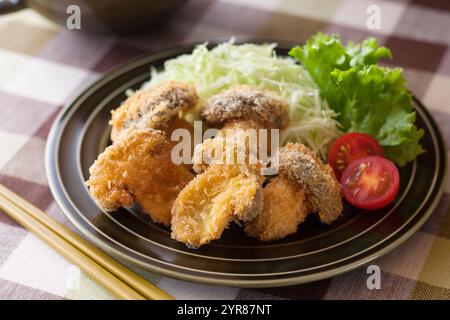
point(143, 287)
point(117, 287)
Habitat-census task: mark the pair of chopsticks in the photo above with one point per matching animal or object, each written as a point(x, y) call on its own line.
point(122, 282)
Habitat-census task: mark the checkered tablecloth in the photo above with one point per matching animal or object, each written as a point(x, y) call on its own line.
point(43, 66)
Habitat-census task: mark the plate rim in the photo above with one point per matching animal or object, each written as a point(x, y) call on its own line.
point(54, 179)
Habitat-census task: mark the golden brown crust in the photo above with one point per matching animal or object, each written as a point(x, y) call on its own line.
point(205, 207)
point(178, 123)
point(284, 209)
point(153, 108)
point(138, 168)
point(301, 165)
point(231, 139)
point(246, 103)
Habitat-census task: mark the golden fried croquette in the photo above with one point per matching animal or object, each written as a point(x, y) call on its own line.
point(205, 207)
point(284, 209)
point(246, 103)
point(300, 164)
point(153, 108)
point(138, 168)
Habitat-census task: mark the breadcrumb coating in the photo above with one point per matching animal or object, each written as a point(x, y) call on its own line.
point(224, 191)
point(246, 103)
point(284, 209)
point(205, 207)
point(237, 110)
point(153, 108)
point(301, 165)
point(138, 168)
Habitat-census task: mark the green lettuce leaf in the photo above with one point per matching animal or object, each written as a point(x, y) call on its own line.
point(367, 97)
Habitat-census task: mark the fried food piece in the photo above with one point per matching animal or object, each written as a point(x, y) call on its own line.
point(246, 103)
point(153, 108)
point(240, 111)
point(304, 184)
point(205, 207)
point(232, 138)
point(284, 209)
point(230, 186)
point(178, 123)
point(138, 168)
point(300, 164)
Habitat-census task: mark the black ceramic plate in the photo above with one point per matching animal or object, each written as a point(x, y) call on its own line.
point(317, 251)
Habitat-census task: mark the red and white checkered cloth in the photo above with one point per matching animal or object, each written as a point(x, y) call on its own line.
point(43, 66)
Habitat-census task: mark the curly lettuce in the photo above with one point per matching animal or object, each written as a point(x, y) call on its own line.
point(367, 97)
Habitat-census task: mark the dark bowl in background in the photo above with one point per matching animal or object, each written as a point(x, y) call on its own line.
point(100, 16)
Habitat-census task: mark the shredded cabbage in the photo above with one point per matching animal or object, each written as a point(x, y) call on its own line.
point(211, 71)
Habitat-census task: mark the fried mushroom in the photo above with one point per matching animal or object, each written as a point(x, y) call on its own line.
point(138, 169)
point(155, 108)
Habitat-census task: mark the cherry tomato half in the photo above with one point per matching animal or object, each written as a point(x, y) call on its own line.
point(350, 147)
point(370, 182)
